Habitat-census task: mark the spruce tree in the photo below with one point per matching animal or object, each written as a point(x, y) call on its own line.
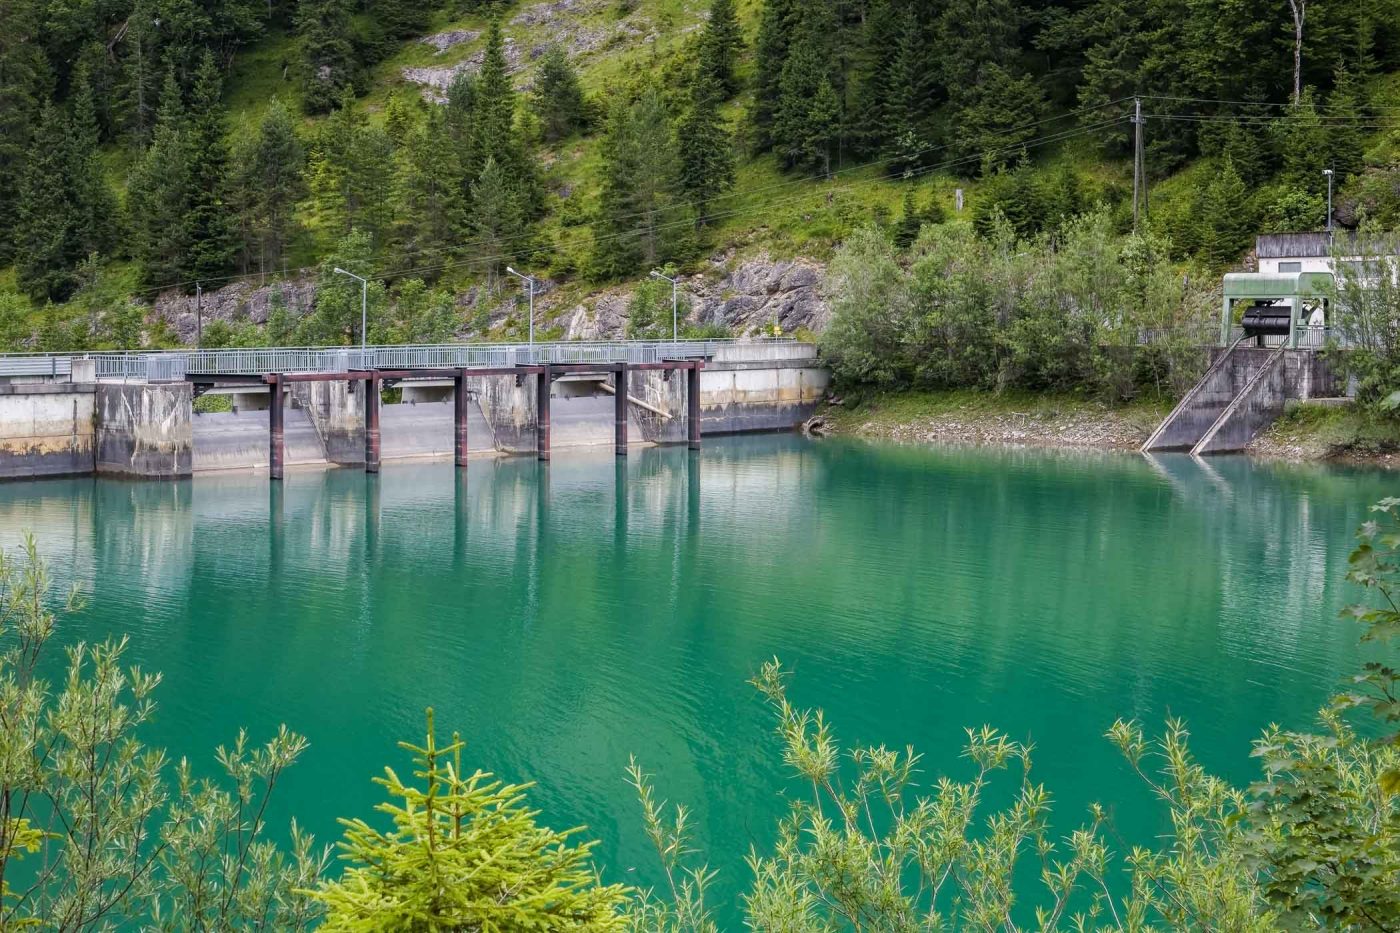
point(212, 238)
point(1345, 141)
point(807, 122)
point(994, 122)
point(1305, 145)
point(706, 150)
point(95, 206)
point(496, 223)
point(327, 51)
point(269, 179)
point(47, 246)
point(910, 222)
point(720, 46)
point(433, 191)
point(352, 174)
point(558, 97)
point(775, 29)
point(1224, 222)
point(640, 217)
point(401, 19)
point(24, 86)
point(492, 133)
point(880, 44)
point(160, 192)
point(908, 96)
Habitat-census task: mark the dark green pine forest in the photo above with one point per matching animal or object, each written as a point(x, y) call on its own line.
point(151, 148)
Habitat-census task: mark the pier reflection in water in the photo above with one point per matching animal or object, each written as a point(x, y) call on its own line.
point(568, 614)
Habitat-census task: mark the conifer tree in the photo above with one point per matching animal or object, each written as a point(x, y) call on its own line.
point(269, 179)
point(995, 118)
point(640, 218)
point(47, 246)
point(432, 191)
point(1345, 143)
point(1223, 219)
point(94, 204)
point(352, 174)
point(160, 192)
point(908, 95)
point(465, 853)
point(880, 43)
point(706, 149)
point(492, 133)
point(212, 239)
point(910, 222)
point(558, 97)
point(497, 226)
point(24, 86)
point(807, 122)
point(327, 51)
point(1304, 144)
point(776, 25)
point(401, 19)
point(720, 46)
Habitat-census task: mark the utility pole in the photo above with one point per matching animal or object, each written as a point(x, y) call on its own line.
point(1139, 164)
point(199, 314)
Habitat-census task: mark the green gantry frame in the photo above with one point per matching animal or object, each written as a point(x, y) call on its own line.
point(1294, 288)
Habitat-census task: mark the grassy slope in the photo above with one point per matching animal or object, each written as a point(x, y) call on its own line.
point(1309, 431)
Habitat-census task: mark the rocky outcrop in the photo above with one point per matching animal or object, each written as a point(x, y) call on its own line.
point(748, 297)
point(240, 301)
point(753, 296)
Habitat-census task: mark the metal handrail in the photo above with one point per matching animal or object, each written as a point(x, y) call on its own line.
point(174, 365)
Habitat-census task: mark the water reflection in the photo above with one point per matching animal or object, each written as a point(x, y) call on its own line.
point(566, 615)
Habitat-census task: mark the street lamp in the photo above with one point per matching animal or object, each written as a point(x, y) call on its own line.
point(364, 302)
point(675, 331)
point(530, 281)
point(1329, 173)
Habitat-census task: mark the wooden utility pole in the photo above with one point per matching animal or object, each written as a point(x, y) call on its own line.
point(1139, 175)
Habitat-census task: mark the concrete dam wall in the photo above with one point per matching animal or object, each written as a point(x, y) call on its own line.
point(50, 428)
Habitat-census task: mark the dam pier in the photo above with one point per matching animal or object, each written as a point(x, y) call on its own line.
point(137, 414)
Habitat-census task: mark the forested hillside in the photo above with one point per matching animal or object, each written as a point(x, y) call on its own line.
point(154, 148)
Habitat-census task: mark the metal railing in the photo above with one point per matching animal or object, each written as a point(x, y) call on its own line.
point(1309, 338)
point(175, 365)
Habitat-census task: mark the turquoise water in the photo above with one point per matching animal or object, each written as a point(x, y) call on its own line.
point(565, 616)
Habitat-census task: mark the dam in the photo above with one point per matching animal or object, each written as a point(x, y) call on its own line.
point(135, 414)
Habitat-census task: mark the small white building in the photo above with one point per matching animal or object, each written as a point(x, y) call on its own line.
point(1292, 253)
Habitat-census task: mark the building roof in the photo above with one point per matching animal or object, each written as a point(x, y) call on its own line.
point(1260, 285)
point(1316, 245)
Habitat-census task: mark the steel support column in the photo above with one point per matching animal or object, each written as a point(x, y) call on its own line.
point(276, 431)
point(620, 409)
point(461, 409)
point(692, 404)
point(372, 401)
point(544, 386)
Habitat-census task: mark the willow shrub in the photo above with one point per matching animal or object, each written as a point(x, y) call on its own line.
point(1062, 313)
point(94, 834)
point(1314, 844)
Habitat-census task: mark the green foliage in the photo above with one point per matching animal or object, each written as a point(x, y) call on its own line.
point(327, 52)
point(720, 47)
point(352, 166)
point(1006, 312)
point(47, 241)
point(642, 220)
point(1326, 816)
point(863, 846)
point(465, 853)
point(341, 301)
point(1367, 311)
point(558, 96)
point(649, 312)
point(95, 834)
point(706, 150)
point(1224, 220)
point(268, 180)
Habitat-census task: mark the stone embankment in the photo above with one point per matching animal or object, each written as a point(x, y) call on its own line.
point(1086, 427)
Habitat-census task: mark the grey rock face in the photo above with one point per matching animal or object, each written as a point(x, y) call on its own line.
point(237, 302)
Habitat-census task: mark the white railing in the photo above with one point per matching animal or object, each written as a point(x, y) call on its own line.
point(175, 365)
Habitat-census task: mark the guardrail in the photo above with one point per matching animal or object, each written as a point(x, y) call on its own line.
point(175, 365)
point(1309, 338)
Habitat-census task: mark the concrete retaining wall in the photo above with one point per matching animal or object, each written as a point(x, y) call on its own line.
point(239, 440)
point(46, 429)
point(145, 430)
point(336, 411)
point(737, 397)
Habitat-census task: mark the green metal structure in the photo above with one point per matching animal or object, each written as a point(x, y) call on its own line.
point(1296, 288)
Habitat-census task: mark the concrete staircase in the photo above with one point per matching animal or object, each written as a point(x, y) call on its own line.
point(1241, 394)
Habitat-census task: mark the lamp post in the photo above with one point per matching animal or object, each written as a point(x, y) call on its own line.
point(1330, 174)
point(364, 302)
point(529, 280)
point(658, 274)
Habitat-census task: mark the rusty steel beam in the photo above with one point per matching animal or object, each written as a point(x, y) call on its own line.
point(620, 409)
point(544, 383)
point(461, 409)
point(372, 402)
point(692, 402)
point(276, 431)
